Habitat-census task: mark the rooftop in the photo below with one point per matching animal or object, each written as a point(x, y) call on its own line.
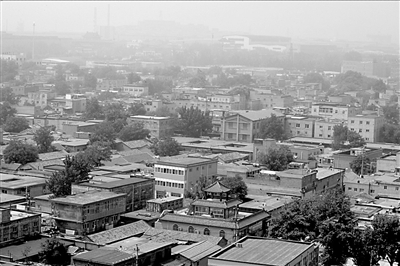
point(8, 198)
point(263, 251)
point(149, 117)
point(162, 200)
point(104, 256)
point(16, 182)
point(188, 161)
point(118, 183)
point(87, 197)
point(217, 187)
point(198, 251)
point(216, 203)
point(258, 115)
point(325, 172)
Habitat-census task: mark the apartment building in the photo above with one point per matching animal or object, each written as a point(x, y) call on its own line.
point(88, 212)
point(300, 126)
point(75, 103)
point(368, 126)
point(270, 100)
point(160, 127)
point(323, 128)
point(334, 110)
point(207, 105)
point(16, 225)
point(243, 126)
point(174, 176)
point(135, 90)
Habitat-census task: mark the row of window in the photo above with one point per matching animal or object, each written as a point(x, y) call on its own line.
point(169, 184)
point(360, 130)
point(206, 231)
point(372, 191)
point(361, 122)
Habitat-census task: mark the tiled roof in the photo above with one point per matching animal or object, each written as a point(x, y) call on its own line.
point(258, 115)
point(119, 233)
point(199, 251)
point(135, 144)
point(217, 187)
point(140, 157)
point(42, 164)
point(216, 203)
point(204, 221)
point(231, 156)
point(52, 155)
point(104, 256)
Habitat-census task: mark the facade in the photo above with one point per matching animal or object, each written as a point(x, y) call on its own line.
point(175, 176)
point(252, 250)
point(334, 110)
point(76, 103)
point(323, 129)
point(159, 127)
point(88, 212)
point(109, 84)
point(368, 126)
point(367, 68)
point(16, 225)
point(243, 126)
point(135, 90)
point(18, 58)
point(300, 126)
point(256, 42)
point(71, 127)
point(161, 204)
point(138, 190)
point(343, 159)
point(269, 100)
point(23, 185)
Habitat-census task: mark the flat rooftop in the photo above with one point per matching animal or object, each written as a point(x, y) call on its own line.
point(325, 172)
point(162, 200)
point(10, 181)
point(17, 215)
point(149, 117)
point(188, 161)
point(117, 182)
point(87, 197)
point(262, 251)
point(5, 198)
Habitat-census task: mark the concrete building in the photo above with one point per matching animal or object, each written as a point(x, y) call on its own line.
point(255, 42)
point(252, 250)
point(270, 100)
point(23, 185)
point(135, 90)
point(334, 110)
point(300, 126)
point(160, 127)
point(370, 69)
point(138, 189)
point(323, 128)
point(17, 225)
point(368, 126)
point(109, 84)
point(71, 127)
point(343, 159)
point(76, 103)
point(88, 212)
point(243, 126)
point(17, 58)
point(177, 175)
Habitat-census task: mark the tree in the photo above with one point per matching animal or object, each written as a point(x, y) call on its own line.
point(6, 111)
point(355, 139)
point(135, 131)
point(43, 139)
point(19, 152)
point(386, 233)
point(16, 124)
point(237, 185)
point(9, 69)
point(317, 78)
point(272, 127)
point(77, 167)
point(166, 147)
point(133, 77)
point(94, 110)
point(344, 138)
point(54, 253)
point(363, 248)
point(114, 111)
point(7, 95)
point(90, 81)
point(379, 86)
point(362, 162)
point(193, 122)
point(59, 184)
point(98, 152)
point(103, 132)
point(391, 114)
point(136, 109)
point(276, 159)
point(389, 133)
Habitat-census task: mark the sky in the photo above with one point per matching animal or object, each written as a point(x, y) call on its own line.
point(315, 19)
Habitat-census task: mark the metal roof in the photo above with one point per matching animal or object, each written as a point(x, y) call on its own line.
point(104, 256)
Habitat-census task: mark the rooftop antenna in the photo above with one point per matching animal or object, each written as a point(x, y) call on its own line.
point(33, 42)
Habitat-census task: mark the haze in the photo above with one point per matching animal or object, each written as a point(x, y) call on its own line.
point(329, 20)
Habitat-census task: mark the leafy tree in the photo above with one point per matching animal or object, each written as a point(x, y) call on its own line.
point(19, 152)
point(107, 96)
point(77, 167)
point(94, 110)
point(137, 109)
point(114, 111)
point(362, 162)
point(391, 114)
point(389, 133)
point(237, 185)
point(54, 253)
point(317, 78)
point(98, 152)
point(59, 184)
point(16, 124)
point(104, 132)
point(7, 95)
point(276, 159)
point(386, 232)
point(158, 85)
point(272, 127)
point(193, 122)
point(379, 86)
point(43, 139)
point(133, 78)
point(9, 69)
point(355, 139)
point(166, 147)
point(198, 81)
point(363, 248)
point(90, 81)
point(6, 111)
point(344, 138)
point(135, 131)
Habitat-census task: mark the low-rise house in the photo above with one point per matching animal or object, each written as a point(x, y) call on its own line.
point(160, 127)
point(344, 158)
point(88, 212)
point(23, 185)
point(7, 200)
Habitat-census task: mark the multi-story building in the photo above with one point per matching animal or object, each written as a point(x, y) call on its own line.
point(18, 58)
point(71, 127)
point(368, 126)
point(138, 190)
point(216, 216)
point(367, 68)
point(343, 159)
point(135, 90)
point(300, 126)
point(16, 225)
point(88, 212)
point(109, 84)
point(160, 127)
point(75, 102)
point(323, 128)
point(254, 42)
point(252, 250)
point(177, 175)
point(334, 110)
point(23, 185)
point(270, 100)
point(243, 126)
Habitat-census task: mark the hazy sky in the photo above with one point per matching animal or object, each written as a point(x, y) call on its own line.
point(307, 19)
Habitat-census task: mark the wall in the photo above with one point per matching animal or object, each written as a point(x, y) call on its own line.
point(18, 229)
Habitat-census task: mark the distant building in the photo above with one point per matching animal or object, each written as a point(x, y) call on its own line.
point(343, 159)
point(300, 126)
point(71, 127)
point(252, 250)
point(175, 176)
point(367, 68)
point(17, 58)
point(159, 127)
point(255, 42)
point(109, 84)
point(16, 225)
point(368, 126)
point(23, 185)
point(88, 212)
point(323, 129)
point(135, 90)
point(334, 110)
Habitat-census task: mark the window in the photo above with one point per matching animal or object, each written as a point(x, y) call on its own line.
point(329, 127)
point(320, 135)
point(349, 188)
point(222, 233)
point(175, 227)
point(361, 122)
point(307, 126)
point(396, 188)
point(355, 189)
point(297, 125)
point(367, 122)
point(244, 137)
point(367, 130)
point(190, 169)
point(206, 232)
point(372, 191)
point(230, 135)
point(191, 229)
point(4, 191)
point(384, 187)
point(360, 130)
point(352, 121)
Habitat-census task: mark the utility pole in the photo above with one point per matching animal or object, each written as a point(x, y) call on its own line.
point(137, 255)
point(362, 163)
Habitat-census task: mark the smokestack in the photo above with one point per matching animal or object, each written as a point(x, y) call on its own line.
point(95, 20)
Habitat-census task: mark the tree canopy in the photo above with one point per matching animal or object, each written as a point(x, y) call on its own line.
point(9, 69)
point(134, 131)
point(104, 132)
point(193, 122)
point(6, 111)
point(166, 147)
point(276, 159)
point(43, 139)
point(7, 95)
point(94, 110)
point(16, 124)
point(237, 185)
point(345, 138)
point(272, 127)
point(136, 109)
point(362, 162)
point(54, 253)
point(19, 152)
